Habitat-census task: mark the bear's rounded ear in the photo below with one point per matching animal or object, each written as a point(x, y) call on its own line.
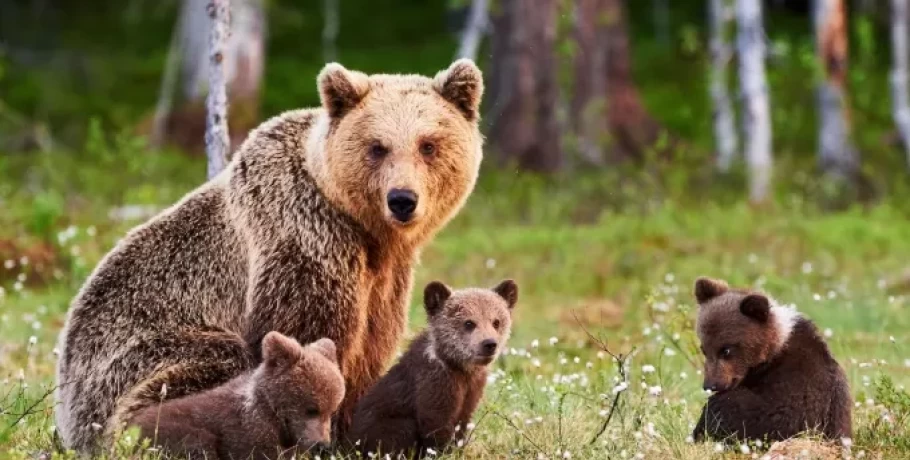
point(756, 306)
point(435, 296)
point(340, 89)
point(508, 290)
point(279, 350)
point(708, 288)
point(326, 347)
point(462, 85)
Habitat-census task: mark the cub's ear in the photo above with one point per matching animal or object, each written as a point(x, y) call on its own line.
point(279, 350)
point(326, 347)
point(435, 296)
point(341, 89)
point(462, 85)
point(708, 288)
point(756, 306)
point(507, 289)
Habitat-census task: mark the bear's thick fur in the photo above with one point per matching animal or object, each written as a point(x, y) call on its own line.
point(772, 372)
point(311, 231)
point(282, 407)
point(428, 398)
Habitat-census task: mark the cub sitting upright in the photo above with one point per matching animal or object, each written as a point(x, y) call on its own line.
point(430, 395)
point(285, 404)
point(773, 375)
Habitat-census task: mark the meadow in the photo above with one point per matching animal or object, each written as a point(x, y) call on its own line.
point(603, 362)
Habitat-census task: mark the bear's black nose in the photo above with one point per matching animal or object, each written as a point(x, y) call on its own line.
point(488, 346)
point(402, 203)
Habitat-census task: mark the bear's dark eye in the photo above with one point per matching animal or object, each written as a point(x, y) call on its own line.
point(377, 150)
point(427, 148)
point(725, 352)
point(469, 325)
point(496, 324)
point(312, 412)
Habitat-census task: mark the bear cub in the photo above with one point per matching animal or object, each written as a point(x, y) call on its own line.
point(772, 374)
point(428, 398)
point(283, 405)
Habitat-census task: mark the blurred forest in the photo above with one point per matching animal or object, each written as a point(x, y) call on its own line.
point(572, 85)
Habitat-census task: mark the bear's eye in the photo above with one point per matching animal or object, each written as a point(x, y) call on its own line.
point(725, 352)
point(312, 412)
point(427, 148)
point(377, 150)
point(469, 325)
point(496, 324)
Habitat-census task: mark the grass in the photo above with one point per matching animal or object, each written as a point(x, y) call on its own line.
point(601, 270)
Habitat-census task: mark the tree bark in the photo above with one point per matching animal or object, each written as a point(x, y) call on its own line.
point(476, 26)
point(217, 140)
point(756, 113)
point(900, 96)
point(330, 30)
point(525, 129)
point(837, 156)
point(588, 107)
point(719, 14)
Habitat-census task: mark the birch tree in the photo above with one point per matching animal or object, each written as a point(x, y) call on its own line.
point(900, 97)
point(720, 16)
point(837, 156)
point(475, 28)
point(750, 43)
point(330, 28)
point(217, 140)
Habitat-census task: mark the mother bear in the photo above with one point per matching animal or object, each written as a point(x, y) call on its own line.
point(312, 230)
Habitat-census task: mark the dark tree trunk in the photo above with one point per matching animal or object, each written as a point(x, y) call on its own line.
point(588, 108)
point(524, 92)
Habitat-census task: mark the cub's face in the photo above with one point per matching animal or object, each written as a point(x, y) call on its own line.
point(304, 387)
point(736, 331)
point(402, 153)
point(470, 326)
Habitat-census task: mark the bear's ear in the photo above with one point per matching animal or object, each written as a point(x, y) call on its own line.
point(326, 347)
point(462, 85)
point(708, 288)
point(756, 306)
point(341, 89)
point(279, 350)
point(435, 296)
point(508, 290)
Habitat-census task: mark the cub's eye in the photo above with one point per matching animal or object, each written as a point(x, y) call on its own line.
point(312, 412)
point(469, 325)
point(495, 324)
point(427, 148)
point(377, 150)
point(725, 352)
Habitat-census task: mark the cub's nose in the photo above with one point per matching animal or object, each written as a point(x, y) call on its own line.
point(402, 203)
point(488, 347)
point(709, 386)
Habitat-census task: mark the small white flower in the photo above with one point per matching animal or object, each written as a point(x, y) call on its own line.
point(655, 390)
point(718, 447)
point(470, 426)
point(690, 439)
point(744, 449)
point(491, 264)
point(647, 369)
point(669, 352)
point(683, 375)
point(891, 338)
point(828, 333)
point(553, 341)
point(535, 343)
point(621, 387)
point(816, 297)
point(431, 451)
point(96, 426)
point(535, 362)
point(601, 355)
point(9, 264)
point(846, 442)
point(32, 340)
point(576, 360)
point(567, 454)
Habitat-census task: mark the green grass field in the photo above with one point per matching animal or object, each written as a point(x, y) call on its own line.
point(605, 261)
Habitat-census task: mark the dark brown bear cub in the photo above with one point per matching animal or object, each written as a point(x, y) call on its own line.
point(428, 398)
point(284, 405)
point(772, 373)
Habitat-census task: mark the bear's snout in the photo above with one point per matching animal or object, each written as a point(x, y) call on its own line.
point(488, 347)
point(402, 203)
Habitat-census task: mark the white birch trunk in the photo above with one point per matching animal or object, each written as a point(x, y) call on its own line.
point(475, 27)
point(900, 96)
point(725, 137)
point(756, 112)
point(217, 140)
point(166, 91)
point(330, 28)
point(837, 156)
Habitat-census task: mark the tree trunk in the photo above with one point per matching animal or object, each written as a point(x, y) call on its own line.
point(525, 129)
point(634, 130)
point(217, 140)
point(719, 14)
point(756, 113)
point(837, 156)
point(330, 30)
point(589, 97)
point(475, 27)
point(660, 10)
point(900, 96)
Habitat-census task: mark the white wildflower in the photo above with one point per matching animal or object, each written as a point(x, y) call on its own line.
point(647, 369)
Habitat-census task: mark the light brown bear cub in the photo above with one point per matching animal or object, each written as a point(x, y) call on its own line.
point(285, 404)
point(430, 395)
point(772, 372)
